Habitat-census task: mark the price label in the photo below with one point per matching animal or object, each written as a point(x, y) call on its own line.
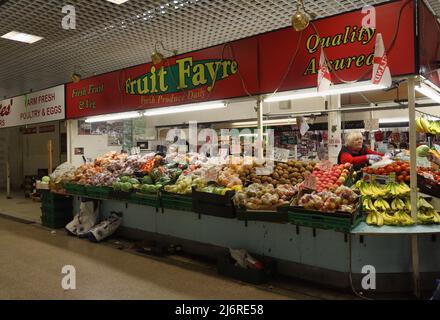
point(310, 182)
point(281, 155)
point(392, 177)
point(211, 175)
point(325, 165)
point(264, 171)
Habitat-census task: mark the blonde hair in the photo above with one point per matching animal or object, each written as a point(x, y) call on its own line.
point(351, 137)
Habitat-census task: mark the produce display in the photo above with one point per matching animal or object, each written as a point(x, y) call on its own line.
point(426, 214)
point(292, 172)
point(264, 197)
point(333, 178)
point(400, 168)
point(343, 199)
point(390, 204)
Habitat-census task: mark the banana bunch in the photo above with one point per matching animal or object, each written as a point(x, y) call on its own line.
point(426, 213)
point(398, 218)
point(423, 125)
point(382, 205)
point(372, 190)
point(375, 218)
point(397, 189)
point(367, 204)
point(398, 204)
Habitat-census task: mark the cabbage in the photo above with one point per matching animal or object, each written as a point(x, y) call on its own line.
point(125, 179)
point(134, 181)
point(117, 186)
point(45, 179)
point(147, 180)
point(126, 186)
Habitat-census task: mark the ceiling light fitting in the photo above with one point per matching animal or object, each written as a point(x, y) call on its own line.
point(157, 56)
point(300, 19)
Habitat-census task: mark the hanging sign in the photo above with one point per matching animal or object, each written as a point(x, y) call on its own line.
point(37, 107)
point(371, 125)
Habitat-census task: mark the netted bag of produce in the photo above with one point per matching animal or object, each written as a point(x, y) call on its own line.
point(311, 202)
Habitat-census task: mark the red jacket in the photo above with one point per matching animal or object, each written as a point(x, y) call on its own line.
point(359, 158)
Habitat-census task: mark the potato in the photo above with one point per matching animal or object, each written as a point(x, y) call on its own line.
point(292, 175)
point(302, 169)
point(274, 182)
point(285, 176)
point(309, 168)
point(300, 180)
point(276, 175)
point(295, 170)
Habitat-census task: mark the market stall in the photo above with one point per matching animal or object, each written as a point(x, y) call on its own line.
point(315, 217)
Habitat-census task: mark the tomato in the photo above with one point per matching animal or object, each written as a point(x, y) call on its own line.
point(401, 178)
point(397, 169)
point(405, 174)
point(407, 178)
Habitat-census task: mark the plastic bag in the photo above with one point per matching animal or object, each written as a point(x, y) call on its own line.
point(244, 259)
point(83, 222)
point(382, 163)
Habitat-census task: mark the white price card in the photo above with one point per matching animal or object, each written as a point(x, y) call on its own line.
point(324, 165)
point(281, 155)
point(264, 171)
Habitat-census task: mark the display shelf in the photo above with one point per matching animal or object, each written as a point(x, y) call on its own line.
point(365, 229)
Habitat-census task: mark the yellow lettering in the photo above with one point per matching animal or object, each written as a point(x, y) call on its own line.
point(199, 77)
point(153, 80)
point(225, 68)
point(213, 69)
point(311, 68)
point(370, 60)
point(234, 67)
point(360, 61)
point(312, 46)
point(162, 86)
point(184, 71)
point(337, 40)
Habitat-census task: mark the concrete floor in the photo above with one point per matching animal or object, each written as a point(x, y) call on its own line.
point(32, 258)
point(20, 207)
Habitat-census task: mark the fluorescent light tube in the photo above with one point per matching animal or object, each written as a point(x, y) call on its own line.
point(428, 92)
point(265, 122)
point(21, 37)
point(393, 120)
point(184, 108)
point(117, 1)
point(115, 116)
point(337, 89)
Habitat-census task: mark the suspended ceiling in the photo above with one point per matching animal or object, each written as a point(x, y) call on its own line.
point(110, 36)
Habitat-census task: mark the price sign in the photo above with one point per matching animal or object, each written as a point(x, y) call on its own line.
point(281, 155)
point(135, 151)
point(371, 124)
point(211, 175)
point(392, 177)
point(264, 171)
point(437, 147)
point(325, 165)
point(310, 182)
point(428, 175)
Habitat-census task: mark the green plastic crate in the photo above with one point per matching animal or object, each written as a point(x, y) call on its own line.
point(342, 222)
point(75, 189)
point(54, 217)
point(52, 199)
point(98, 192)
point(176, 201)
point(151, 200)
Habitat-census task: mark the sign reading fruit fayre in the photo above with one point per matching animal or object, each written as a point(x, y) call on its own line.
point(37, 107)
point(217, 73)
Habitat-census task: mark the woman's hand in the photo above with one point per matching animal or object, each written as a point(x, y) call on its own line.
point(373, 157)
